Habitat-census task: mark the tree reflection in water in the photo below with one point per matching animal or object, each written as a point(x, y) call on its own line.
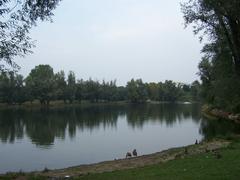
point(42, 126)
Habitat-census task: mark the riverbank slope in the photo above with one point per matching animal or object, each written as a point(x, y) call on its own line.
point(212, 112)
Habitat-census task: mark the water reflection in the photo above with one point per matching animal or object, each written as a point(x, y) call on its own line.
point(43, 126)
point(217, 128)
point(137, 115)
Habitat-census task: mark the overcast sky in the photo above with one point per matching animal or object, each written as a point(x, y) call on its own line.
point(117, 39)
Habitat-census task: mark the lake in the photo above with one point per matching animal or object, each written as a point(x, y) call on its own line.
point(32, 139)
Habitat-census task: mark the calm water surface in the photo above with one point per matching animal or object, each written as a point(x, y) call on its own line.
point(57, 138)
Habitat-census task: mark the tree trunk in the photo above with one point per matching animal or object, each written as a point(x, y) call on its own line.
point(235, 31)
point(231, 30)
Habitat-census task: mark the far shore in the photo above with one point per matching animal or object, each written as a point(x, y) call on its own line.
point(60, 104)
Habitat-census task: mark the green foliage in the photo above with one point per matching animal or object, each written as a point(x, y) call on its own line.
point(219, 19)
point(19, 93)
point(137, 91)
point(171, 91)
point(195, 90)
point(71, 87)
point(220, 81)
point(17, 18)
point(79, 90)
point(60, 86)
point(153, 91)
point(92, 90)
point(219, 68)
point(40, 82)
point(108, 91)
point(12, 90)
point(43, 85)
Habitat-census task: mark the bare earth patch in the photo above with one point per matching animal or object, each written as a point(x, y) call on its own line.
point(145, 160)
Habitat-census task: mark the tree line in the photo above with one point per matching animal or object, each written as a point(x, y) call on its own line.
point(44, 85)
point(219, 68)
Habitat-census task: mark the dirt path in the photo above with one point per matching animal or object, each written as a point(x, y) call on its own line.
point(140, 161)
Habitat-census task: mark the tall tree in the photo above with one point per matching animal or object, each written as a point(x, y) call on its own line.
point(80, 90)
point(7, 86)
point(195, 89)
point(217, 18)
point(171, 91)
point(92, 90)
point(41, 82)
point(153, 91)
point(137, 91)
point(12, 88)
point(71, 87)
point(60, 86)
point(19, 90)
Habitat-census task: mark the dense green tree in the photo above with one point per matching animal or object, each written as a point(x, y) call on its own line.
point(220, 82)
point(71, 87)
point(153, 91)
point(7, 86)
point(80, 90)
point(185, 92)
point(19, 93)
point(186, 88)
point(137, 91)
point(41, 83)
point(171, 91)
point(60, 86)
point(205, 72)
point(219, 19)
point(195, 90)
point(108, 91)
point(219, 68)
point(161, 91)
point(132, 91)
point(122, 93)
point(92, 90)
point(12, 88)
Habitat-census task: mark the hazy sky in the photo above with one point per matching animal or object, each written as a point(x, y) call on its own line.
point(117, 39)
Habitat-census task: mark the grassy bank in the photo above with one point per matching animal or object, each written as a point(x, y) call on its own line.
point(200, 162)
point(203, 166)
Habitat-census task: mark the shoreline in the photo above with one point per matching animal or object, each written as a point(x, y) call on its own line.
point(130, 163)
point(61, 104)
point(58, 104)
point(214, 113)
point(137, 162)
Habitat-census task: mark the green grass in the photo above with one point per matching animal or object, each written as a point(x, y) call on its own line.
point(21, 176)
point(204, 166)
